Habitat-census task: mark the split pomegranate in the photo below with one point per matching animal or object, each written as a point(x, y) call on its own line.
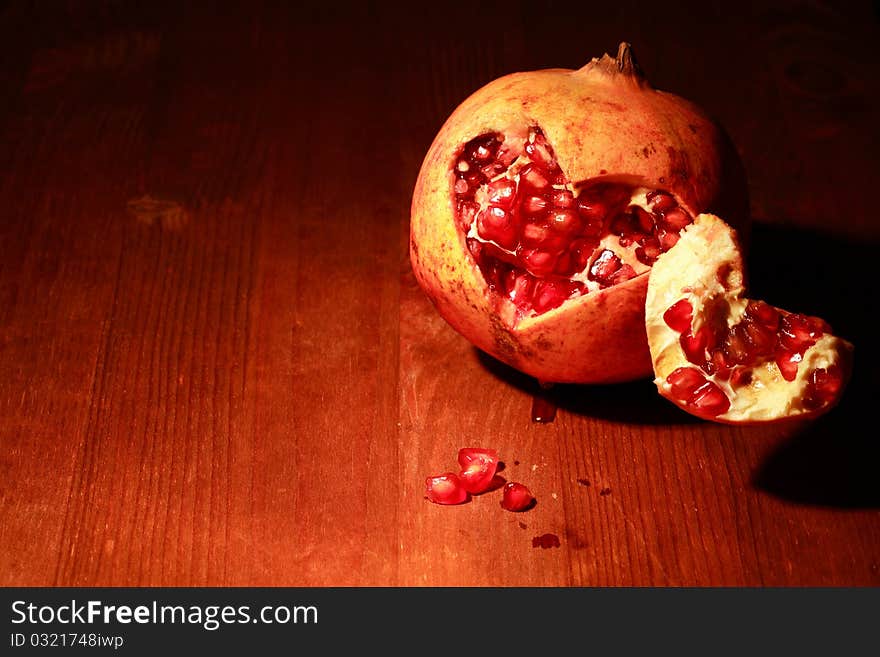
point(516, 497)
point(723, 357)
point(478, 467)
point(446, 488)
point(545, 200)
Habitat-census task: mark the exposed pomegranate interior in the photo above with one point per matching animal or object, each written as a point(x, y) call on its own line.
point(516, 497)
point(541, 239)
point(478, 467)
point(729, 353)
point(446, 488)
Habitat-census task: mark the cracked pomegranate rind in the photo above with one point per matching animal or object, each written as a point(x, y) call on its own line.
point(546, 198)
point(723, 357)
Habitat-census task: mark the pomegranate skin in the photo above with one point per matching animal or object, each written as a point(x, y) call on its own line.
point(605, 122)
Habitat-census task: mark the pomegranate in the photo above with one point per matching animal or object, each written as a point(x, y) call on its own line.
point(516, 497)
point(545, 200)
point(723, 357)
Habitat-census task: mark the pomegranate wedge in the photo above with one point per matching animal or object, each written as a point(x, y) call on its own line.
point(723, 357)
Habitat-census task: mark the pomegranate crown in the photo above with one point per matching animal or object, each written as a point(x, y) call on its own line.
point(623, 64)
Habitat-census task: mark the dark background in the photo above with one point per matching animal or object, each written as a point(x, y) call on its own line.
point(216, 367)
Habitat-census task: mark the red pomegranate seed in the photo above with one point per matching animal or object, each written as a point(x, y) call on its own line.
point(764, 314)
point(539, 263)
point(650, 250)
point(516, 497)
point(562, 198)
point(521, 290)
point(676, 219)
point(532, 180)
point(551, 293)
point(797, 333)
point(623, 274)
point(740, 377)
point(684, 381)
point(566, 221)
point(478, 467)
point(668, 239)
point(535, 233)
point(604, 267)
point(591, 207)
point(581, 250)
point(679, 316)
point(823, 385)
point(788, 362)
point(737, 347)
point(694, 346)
point(540, 153)
point(502, 192)
point(496, 224)
point(660, 201)
point(710, 400)
point(446, 488)
point(534, 206)
point(643, 218)
point(762, 338)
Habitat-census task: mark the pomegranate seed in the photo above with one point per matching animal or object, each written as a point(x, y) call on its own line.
point(562, 198)
point(797, 333)
point(741, 377)
point(535, 233)
point(551, 294)
point(643, 219)
point(717, 365)
point(531, 178)
point(591, 208)
point(623, 225)
point(534, 206)
point(660, 201)
point(676, 219)
point(736, 346)
point(694, 346)
point(478, 467)
point(496, 224)
point(445, 489)
point(679, 316)
point(540, 153)
point(521, 290)
point(710, 400)
point(788, 361)
point(623, 274)
point(823, 385)
point(668, 239)
point(684, 381)
point(502, 192)
point(539, 262)
point(604, 267)
point(516, 497)
point(581, 250)
point(461, 186)
point(762, 338)
point(648, 253)
point(566, 221)
point(764, 314)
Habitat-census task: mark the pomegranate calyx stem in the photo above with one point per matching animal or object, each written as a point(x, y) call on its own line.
point(623, 64)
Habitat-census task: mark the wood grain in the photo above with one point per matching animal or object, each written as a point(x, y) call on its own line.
point(216, 367)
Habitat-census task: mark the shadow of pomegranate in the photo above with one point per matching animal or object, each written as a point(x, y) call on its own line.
point(832, 461)
point(636, 402)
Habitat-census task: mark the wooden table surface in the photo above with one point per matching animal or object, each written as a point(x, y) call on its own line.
point(216, 367)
